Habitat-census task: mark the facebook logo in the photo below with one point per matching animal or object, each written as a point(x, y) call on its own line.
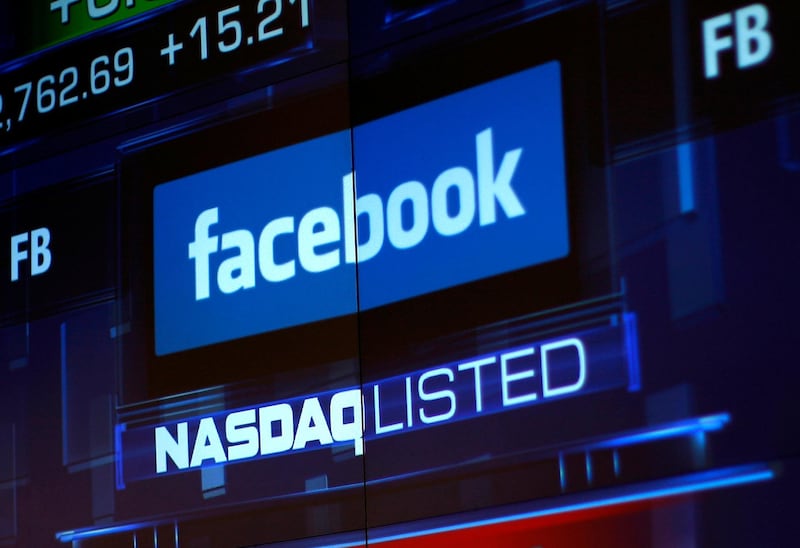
point(463, 188)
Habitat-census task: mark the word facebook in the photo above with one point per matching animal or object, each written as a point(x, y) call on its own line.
point(421, 200)
point(322, 227)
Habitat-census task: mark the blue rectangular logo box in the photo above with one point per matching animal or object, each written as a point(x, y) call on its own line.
point(459, 189)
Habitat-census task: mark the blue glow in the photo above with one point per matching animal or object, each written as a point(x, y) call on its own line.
point(391, 17)
point(699, 444)
point(195, 403)
point(632, 342)
point(702, 481)
point(684, 485)
point(118, 430)
point(686, 178)
point(701, 425)
point(589, 471)
point(64, 408)
point(709, 423)
point(75, 535)
point(289, 56)
point(394, 17)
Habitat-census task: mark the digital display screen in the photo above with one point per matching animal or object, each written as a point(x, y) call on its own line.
point(399, 272)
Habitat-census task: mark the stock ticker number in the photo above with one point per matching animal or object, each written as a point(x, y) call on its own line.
point(225, 33)
point(52, 92)
point(60, 86)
